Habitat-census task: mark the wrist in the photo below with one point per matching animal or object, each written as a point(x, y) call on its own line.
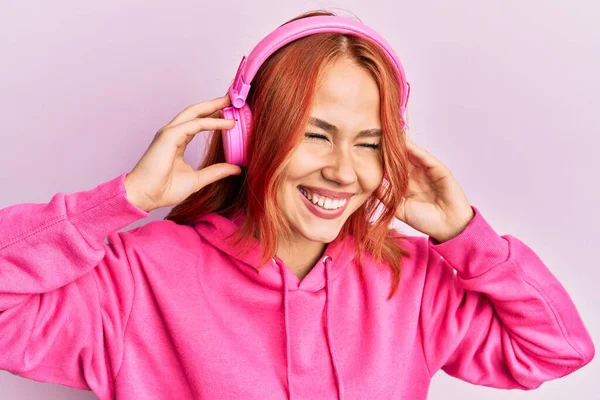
point(457, 230)
point(133, 198)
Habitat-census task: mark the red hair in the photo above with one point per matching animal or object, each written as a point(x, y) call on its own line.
point(281, 97)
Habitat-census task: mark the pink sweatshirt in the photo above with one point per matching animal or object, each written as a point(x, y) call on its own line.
point(165, 311)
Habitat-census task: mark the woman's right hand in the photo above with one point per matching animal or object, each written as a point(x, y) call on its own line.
point(161, 177)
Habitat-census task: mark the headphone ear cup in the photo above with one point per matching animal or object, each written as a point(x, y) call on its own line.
point(245, 117)
point(234, 139)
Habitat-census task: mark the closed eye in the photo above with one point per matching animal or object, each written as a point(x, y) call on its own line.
point(317, 136)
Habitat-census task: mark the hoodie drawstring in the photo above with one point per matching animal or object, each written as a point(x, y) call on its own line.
point(288, 356)
point(340, 387)
point(328, 313)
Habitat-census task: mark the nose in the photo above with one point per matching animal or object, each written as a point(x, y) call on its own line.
point(340, 167)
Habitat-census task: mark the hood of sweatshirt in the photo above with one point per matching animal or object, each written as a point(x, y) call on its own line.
point(338, 254)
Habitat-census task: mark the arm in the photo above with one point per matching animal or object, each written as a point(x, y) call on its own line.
point(503, 320)
point(65, 296)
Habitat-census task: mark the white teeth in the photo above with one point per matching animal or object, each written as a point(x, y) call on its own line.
point(328, 204)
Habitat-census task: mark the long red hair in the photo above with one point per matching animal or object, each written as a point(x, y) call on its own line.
point(280, 99)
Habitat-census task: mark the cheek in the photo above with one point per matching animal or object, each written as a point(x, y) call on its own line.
point(370, 176)
point(302, 163)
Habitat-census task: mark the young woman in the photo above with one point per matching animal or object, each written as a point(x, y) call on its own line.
point(280, 277)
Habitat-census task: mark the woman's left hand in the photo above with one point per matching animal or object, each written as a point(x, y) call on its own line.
point(435, 204)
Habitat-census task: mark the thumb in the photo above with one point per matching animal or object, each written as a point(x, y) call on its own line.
point(215, 172)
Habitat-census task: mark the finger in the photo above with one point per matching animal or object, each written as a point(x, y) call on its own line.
point(215, 172)
point(180, 133)
point(421, 155)
point(411, 165)
point(216, 114)
point(202, 109)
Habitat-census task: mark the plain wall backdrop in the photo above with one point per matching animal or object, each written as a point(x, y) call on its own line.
point(504, 93)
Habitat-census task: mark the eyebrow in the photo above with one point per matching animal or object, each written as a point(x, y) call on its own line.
point(376, 132)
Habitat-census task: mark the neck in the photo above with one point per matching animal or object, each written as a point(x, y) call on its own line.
point(300, 254)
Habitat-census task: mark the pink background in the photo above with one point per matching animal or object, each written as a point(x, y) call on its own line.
point(504, 93)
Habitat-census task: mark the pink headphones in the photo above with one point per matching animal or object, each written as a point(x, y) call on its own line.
point(234, 140)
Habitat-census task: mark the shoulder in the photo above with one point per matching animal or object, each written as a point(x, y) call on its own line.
point(416, 254)
point(417, 247)
point(161, 237)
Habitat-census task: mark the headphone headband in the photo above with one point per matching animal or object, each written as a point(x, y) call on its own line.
point(238, 91)
point(234, 139)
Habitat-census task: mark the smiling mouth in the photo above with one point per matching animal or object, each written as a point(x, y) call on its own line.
point(324, 203)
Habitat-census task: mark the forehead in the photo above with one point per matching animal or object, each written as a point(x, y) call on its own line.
point(347, 94)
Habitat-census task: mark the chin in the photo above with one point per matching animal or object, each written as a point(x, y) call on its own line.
point(316, 229)
point(324, 236)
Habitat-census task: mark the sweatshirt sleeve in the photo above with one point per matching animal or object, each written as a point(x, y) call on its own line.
point(65, 295)
point(502, 319)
